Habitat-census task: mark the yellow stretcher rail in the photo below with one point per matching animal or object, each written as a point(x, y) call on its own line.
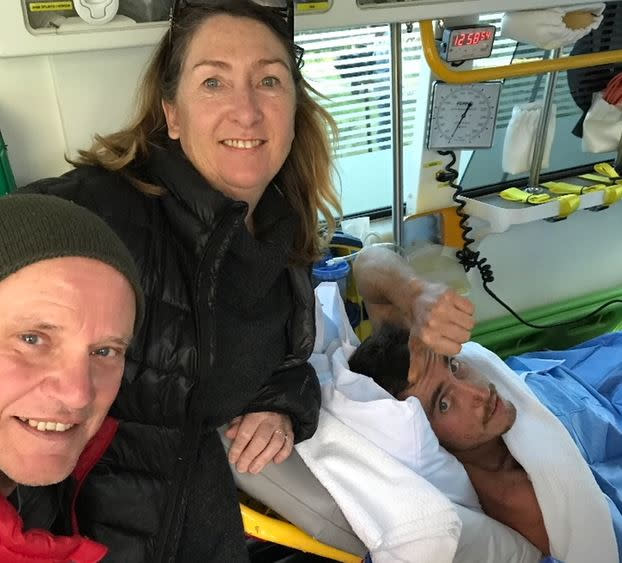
point(443, 72)
point(276, 531)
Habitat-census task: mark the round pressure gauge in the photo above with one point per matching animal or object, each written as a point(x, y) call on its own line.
point(463, 116)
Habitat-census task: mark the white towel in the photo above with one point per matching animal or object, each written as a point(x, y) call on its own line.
point(575, 512)
point(398, 515)
point(546, 28)
point(520, 137)
point(400, 428)
point(602, 126)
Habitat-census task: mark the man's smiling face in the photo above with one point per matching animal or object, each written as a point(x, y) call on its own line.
point(64, 329)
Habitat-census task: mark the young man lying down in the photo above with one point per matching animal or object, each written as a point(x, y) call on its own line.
point(418, 329)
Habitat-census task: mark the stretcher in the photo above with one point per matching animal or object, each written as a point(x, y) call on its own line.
point(301, 514)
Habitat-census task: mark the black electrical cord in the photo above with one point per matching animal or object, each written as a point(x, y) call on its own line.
point(470, 259)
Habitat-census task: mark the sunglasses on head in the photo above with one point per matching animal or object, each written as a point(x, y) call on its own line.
point(284, 8)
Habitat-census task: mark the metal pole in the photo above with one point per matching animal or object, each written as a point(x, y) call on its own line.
point(540, 141)
point(397, 134)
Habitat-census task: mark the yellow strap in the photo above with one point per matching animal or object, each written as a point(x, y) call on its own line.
point(606, 170)
point(516, 194)
point(568, 204)
point(612, 194)
point(566, 188)
point(596, 178)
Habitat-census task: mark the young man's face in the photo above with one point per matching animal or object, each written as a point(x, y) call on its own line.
point(464, 408)
point(64, 328)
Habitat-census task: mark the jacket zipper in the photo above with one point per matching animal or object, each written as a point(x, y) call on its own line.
point(175, 520)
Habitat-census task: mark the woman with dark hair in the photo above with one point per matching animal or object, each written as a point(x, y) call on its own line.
point(216, 188)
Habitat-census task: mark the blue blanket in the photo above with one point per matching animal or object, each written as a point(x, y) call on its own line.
point(582, 386)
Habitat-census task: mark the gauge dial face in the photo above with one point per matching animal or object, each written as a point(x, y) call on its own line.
point(463, 116)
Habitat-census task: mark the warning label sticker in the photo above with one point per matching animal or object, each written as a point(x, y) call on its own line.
point(311, 6)
point(50, 6)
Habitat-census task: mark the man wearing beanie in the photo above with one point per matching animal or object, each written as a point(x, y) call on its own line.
point(70, 301)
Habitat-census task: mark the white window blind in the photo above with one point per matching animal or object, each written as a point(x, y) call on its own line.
point(350, 68)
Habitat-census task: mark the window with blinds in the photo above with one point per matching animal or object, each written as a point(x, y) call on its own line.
point(350, 68)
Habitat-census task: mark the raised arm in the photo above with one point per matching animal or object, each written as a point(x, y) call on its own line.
point(392, 293)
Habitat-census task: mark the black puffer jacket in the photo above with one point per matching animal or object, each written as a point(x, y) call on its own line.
point(228, 330)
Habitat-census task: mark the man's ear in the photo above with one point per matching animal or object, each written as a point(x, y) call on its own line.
point(172, 121)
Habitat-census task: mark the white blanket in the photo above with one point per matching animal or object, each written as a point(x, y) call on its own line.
point(400, 428)
point(398, 515)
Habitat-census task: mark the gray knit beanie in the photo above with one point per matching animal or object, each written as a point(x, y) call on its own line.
point(35, 227)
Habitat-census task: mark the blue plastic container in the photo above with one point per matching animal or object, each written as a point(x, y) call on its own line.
point(336, 272)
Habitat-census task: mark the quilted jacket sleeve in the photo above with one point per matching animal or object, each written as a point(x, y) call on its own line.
point(296, 392)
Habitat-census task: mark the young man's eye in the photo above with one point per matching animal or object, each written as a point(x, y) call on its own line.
point(454, 365)
point(443, 405)
point(270, 81)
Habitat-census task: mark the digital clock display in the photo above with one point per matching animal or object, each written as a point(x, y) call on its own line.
point(471, 38)
point(467, 43)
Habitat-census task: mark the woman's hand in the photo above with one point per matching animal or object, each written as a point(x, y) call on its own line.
point(259, 438)
point(441, 318)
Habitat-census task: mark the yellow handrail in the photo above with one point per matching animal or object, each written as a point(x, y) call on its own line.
point(276, 531)
point(443, 72)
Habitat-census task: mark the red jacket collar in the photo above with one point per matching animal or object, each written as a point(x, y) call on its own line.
point(40, 546)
